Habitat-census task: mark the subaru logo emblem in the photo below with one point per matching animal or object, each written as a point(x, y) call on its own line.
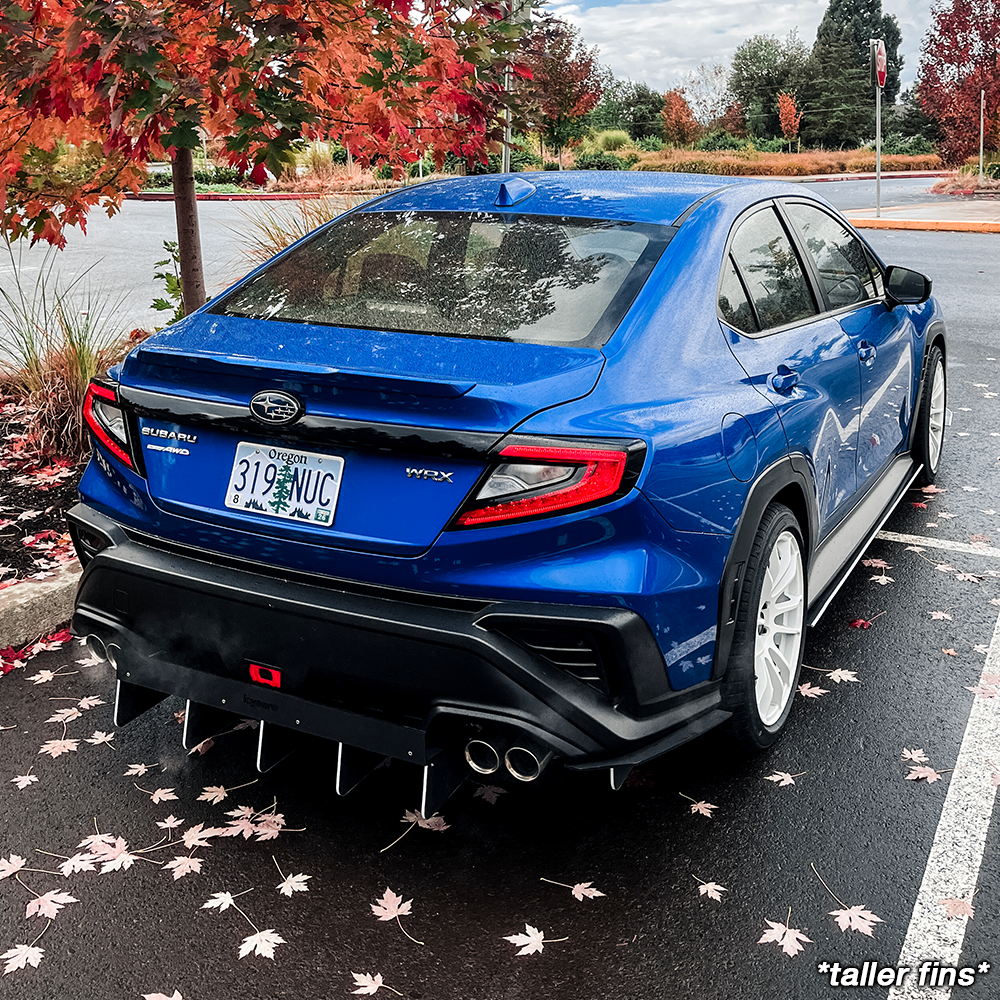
point(275, 407)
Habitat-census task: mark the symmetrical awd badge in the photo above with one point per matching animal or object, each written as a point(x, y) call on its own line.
point(275, 407)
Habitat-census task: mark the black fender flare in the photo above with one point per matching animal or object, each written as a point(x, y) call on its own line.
point(935, 337)
point(790, 481)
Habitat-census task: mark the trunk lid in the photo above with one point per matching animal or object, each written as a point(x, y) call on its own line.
point(395, 431)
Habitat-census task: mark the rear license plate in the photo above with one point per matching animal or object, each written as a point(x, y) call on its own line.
point(279, 482)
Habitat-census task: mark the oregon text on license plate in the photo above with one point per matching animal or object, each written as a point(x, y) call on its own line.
point(295, 485)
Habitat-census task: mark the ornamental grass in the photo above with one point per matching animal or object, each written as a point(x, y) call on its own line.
point(743, 163)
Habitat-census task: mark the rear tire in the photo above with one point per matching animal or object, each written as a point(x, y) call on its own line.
point(766, 656)
point(928, 438)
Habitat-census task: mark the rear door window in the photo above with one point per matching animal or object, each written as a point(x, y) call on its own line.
point(771, 271)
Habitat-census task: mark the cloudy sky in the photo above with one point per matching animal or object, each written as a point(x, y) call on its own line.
point(661, 41)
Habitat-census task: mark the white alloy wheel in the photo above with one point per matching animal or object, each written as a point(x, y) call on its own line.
point(935, 425)
point(780, 618)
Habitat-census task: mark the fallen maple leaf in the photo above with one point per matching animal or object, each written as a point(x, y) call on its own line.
point(196, 836)
point(968, 577)
point(262, 943)
point(982, 690)
point(91, 701)
point(293, 883)
point(390, 906)
point(945, 568)
point(100, 737)
point(856, 918)
point(434, 822)
point(957, 907)
point(23, 780)
point(213, 794)
point(203, 747)
point(788, 937)
point(939, 616)
point(65, 715)
point(370, 984)
point(917, 755)
point(489, 792)
point(840, 675)
point(162, 795)
point(220, 900)
point(860, 623)
point(162, 996)
point(807, 690)
point(703, 808)
point(14, 863)
point(919, 506)
point(78, 863)
point(183, 865)
point(48, 905)
point(136, 770)
point(582, 891)
point(56, 748)
point(948, 652)
point(933, 489)
point(781, 777)
point(531, 941)
point(21, 955)
point(712, 890)
point(169, 823)
point(875, 563)
point(916, 773)
point(883, 580)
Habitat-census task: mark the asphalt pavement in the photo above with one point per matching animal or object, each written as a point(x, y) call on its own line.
point(852, 838)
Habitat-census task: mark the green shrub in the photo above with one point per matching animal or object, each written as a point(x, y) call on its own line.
point(550, 165)
point(604, 161)
point(649, 144)
point(719, 140)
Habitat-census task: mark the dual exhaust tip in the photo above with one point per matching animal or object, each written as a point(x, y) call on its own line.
point(105, 652)
point(522, 763)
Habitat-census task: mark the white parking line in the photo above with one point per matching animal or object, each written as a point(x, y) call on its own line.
point(957, 851)
point(940, 543)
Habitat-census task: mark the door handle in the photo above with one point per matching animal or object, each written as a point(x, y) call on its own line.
point(866, 352)
point(784, 379)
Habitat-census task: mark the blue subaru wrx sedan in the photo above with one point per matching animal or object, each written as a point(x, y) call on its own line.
point(500, 471)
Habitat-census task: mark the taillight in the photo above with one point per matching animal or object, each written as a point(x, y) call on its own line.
point(107, 421)
point(539, 480)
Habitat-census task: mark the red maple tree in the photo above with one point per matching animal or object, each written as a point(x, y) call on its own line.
point(137, 80)
point(960, 59)
point(788, 115)
point(680, 127)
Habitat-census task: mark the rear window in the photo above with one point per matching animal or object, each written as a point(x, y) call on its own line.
point(537, 279)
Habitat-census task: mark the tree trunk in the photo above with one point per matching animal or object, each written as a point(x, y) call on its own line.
point(188, 236)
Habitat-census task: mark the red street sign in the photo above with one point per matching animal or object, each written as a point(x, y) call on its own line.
point(881, 63)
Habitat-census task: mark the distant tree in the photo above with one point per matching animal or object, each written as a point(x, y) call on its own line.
point(566, 82)
point(734, 121)
point(762, 67)
point(835, 96)
point(629, 105)
point(707, 91)
point(910, 120)
point(959, 60)
point(789, 116)
point(679, 125)
point(862, 20)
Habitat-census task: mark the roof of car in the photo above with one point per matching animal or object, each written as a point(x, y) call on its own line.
point(636, 196)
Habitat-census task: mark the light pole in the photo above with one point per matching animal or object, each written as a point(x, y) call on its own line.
point(519, 12)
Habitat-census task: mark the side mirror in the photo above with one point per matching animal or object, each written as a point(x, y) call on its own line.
point(905, 287)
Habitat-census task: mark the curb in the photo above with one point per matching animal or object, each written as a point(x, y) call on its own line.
point(37, 607)
point(263, 196)
point(929, 225)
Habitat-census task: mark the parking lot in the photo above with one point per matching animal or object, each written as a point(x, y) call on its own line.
point(704, 863)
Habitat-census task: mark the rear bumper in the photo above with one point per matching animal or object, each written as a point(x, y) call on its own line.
point(402, 674)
